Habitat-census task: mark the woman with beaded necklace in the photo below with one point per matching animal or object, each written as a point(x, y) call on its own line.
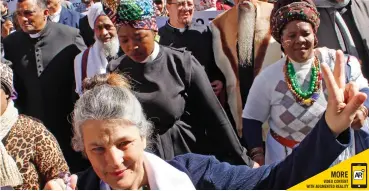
point(290, 93)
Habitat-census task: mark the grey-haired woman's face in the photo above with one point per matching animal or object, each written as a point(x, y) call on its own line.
point(298, 40)
point(116, 152)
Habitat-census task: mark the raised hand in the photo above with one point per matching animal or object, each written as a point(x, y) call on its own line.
point(343, 100)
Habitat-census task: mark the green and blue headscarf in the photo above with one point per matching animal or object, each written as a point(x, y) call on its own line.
point(139, 14)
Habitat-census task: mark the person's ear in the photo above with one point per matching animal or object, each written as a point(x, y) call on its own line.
point(143, 139)
point(46, 12)
point(167, 6)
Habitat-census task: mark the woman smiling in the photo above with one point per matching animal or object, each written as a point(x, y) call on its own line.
point(290, 94)
point(112, 131)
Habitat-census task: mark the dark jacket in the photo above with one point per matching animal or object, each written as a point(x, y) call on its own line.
point(44, 77)
point(86, 32)
point(69, 17)
point(208, 173)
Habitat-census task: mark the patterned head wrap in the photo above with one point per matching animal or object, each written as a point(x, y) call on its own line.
point(6, 74)
point(139, 14)
point(285, 11)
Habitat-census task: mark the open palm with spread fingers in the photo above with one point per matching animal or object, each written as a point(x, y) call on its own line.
point(343, 99)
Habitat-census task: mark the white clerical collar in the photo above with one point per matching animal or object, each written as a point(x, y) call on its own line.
point(57, 12)
point(180, 29)
point(154, 54)
point(35, 35)
point(56, 17)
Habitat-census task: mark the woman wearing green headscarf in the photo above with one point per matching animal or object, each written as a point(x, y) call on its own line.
point(172, 87)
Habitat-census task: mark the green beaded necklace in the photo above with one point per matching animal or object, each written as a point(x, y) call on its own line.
point(309, 96)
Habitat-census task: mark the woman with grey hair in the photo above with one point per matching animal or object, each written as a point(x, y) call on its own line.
point(112, 130)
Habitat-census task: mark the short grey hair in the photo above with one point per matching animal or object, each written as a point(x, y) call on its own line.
point(40, 3)
point(106, 102)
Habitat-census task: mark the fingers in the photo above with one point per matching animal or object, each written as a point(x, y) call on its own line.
point(352, 107)
point(359, 120)
point(53, 185)
point(339, 69)
point(351, 89)
point(330, 83)
point(73, 181)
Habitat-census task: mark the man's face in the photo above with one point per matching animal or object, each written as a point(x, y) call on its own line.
point(31, 18)
point(104, 29)
point(53, 6)
point(106, 33)
point(180, 11)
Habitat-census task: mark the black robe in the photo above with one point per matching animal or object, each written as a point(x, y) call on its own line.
point(44, 80)
point(86, 32)
point(197, 39)
point(177, 97)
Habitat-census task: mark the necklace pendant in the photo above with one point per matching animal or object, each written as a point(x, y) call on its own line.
point(307, 102)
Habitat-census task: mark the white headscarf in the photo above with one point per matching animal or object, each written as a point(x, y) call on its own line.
point(95, 11)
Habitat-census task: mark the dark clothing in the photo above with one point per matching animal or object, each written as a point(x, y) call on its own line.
point(177, 97)
point(69, 17)
point(86, 32)
point(208, 173)
point(44, 79)
point(328, 27)
point(355, 15)
point(197, 39)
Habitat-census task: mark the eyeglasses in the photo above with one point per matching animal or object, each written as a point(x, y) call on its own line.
point(183, 4)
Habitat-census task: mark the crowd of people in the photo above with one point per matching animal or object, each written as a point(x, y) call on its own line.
point(94, 95)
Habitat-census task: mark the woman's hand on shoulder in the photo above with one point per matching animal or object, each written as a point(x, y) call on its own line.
point(343, 100)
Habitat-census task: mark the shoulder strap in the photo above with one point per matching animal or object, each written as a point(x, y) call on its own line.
point(84, 63)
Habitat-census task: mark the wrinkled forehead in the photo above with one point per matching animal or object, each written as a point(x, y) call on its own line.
point(105, 131)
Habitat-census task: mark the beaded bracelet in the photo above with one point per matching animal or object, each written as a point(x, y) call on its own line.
point(258, 154)
point(256, 151)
